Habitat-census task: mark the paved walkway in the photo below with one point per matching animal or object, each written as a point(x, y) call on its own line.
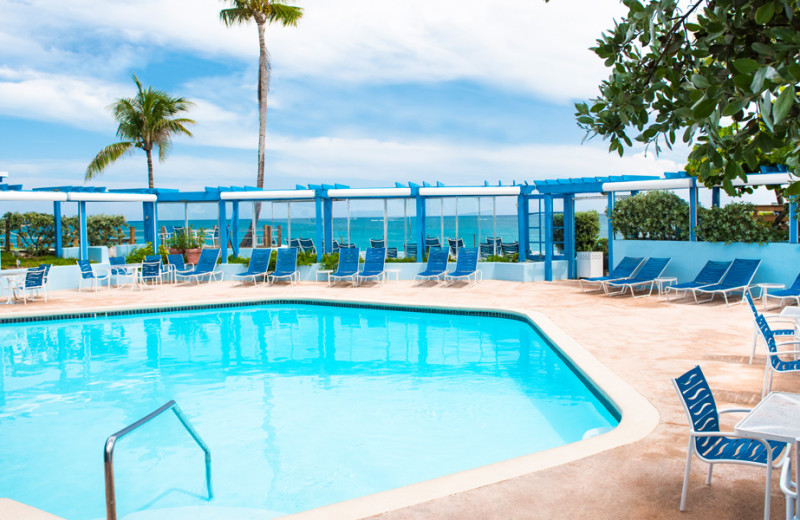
point(645, 341)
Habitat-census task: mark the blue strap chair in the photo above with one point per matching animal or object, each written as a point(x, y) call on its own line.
point(46, 268)
point(89, 276)
point(165, 269)
point(410, 249)
point(454, 244)
point(487, 250)
point(348, 266)
point(774, 361)
point(285, 266)
point(466, 266)
point(377, 243)
point(431, 242)
point(737, 279)
point(791, 330)
point(652, 269)
point(258, 266)
point(624, 270)
point(307, 245)
point(713, 446)
point(510, 249)
point(34, 282)
point(436, 266)
point(374, 266)
point(206, 267)
point(391, 252)
point(711, 273)
point(119, 272)
point(177, 265)
point(792, 293)
point(151, 272)
point(294, 242)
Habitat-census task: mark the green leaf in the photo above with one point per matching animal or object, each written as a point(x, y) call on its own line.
point(745, 65)
point(792, 189)
point(704, 108)
point(700, 81)
point(783, 104)
point(765, 12)
point(734, 107)
point(794, 70)
point(763, 48)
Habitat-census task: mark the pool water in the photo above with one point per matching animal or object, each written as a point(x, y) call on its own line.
point(301, 405)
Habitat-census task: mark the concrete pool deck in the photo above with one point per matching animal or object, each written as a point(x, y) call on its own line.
point(645, 342)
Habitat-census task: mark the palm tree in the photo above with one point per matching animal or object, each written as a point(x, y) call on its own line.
point(262, 12)
point(145, 121)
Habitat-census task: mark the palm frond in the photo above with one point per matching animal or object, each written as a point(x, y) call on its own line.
point(164, 148)
point(106, 156)
point(235, 16)
point(286, 15)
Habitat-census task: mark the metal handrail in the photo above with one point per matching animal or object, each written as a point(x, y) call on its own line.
point(108, 453)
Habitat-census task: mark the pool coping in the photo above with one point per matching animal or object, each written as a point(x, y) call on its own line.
point(638, 416)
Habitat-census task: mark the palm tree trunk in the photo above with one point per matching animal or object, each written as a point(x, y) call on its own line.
point(263, 88)
point(150, 167)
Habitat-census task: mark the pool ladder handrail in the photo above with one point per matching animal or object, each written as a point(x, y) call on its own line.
point(108, 452)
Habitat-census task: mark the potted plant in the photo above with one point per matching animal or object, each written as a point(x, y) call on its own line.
point(193, 245)
point(177, 243)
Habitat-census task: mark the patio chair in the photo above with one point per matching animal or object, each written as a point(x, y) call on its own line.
point(624, 270)
point(713, 446)
point(307, 245)
point(295, 242)
point(165, 269)
point(347, 268)
point(213, 235)
point(711, 273)
point(335, 246)
point(374, 266)
point(391, 252)
point(431, 242)
point(792, 293)
point(377, 243)
point(790, 490)
point(466, 267)
point(258, 267)
point(34, 282)
point(285, 266)
point(89, 276)
point(771, 318)
point(495, 245)
point(206, 267)
point(487, 250)
point(774, 362)
point(151, 272)
point(410, 250)
point(166, 233)
point(436, 266)
point(510, 249)
point(454, 244)
point(652, 269)
point(738, 278)
point(46, 268)
point(177, 265)
point(119, 272)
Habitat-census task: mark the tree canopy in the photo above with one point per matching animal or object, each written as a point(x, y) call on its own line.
point(719, 74)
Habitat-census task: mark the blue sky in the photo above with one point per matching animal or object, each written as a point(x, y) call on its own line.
point(363, 92)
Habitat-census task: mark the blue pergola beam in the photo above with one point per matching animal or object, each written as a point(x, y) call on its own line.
point(59, 246)
point(223, 231)
point(569, 234)
point(548, 237)
point(611, 201)
point(83, 233)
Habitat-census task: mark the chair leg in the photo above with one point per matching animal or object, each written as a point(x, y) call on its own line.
point(768, 490)
point(755, 339)
point(767, 375)
point(708, 477)
point(685, 489)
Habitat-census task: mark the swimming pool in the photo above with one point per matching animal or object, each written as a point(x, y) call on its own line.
point(302, 405)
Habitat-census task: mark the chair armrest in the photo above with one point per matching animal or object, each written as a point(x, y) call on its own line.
point(782, 343)
point(782, 353)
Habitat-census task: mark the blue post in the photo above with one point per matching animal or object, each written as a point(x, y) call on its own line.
point(235, 229)
point(327, 206)
point(320, 231)
point(548, 237)
point(611, 200)
point(792, 222)
point(569, 234)
point(149, 217)
point(223, 232)
point(420, 227)
point(524, 225)
point(715, 197)
point(57, 221)
point(692, 213)
point(84, 233)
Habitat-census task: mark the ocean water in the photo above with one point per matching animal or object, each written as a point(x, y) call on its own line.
point(301, 406)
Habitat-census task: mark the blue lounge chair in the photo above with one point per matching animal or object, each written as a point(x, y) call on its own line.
point(258, 266)
point(713, 446)
point(737, 279)
point(466, 266)
point(790, 325)
point(774, 362)
point(374, 266)
point(510, 249)
point(431, 242)
point(624, 269)
point(652, 269)
point(34, 282)
point(285, 266)
point(391, 252)
point(377, 242)
point(294, 242)
point(454, 244)
point(711, 273)
point(436, 266)
point(307, 245)
point(487, 250)
point(151, 272)
point(89, 276)
point(177, 265)
point(206, 267)
point(348, 266)
point(119, 272)
point(410, 249)
point(792, 293)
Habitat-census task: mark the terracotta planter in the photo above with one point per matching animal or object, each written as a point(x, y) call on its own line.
point(175, 251)
point(192, 255)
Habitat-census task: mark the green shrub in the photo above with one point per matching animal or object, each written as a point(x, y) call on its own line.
point(735, 223)
point(407, 260)
point(101, 230)
point(501, 258)
point(137, 255)
point(653, 215)
point(238, 260)
point(587, 230)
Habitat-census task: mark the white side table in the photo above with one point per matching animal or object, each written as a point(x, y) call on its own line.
point(326, 272)
point(663, 283)
point(775, 418)
point(762, 287)
point(395, 272)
